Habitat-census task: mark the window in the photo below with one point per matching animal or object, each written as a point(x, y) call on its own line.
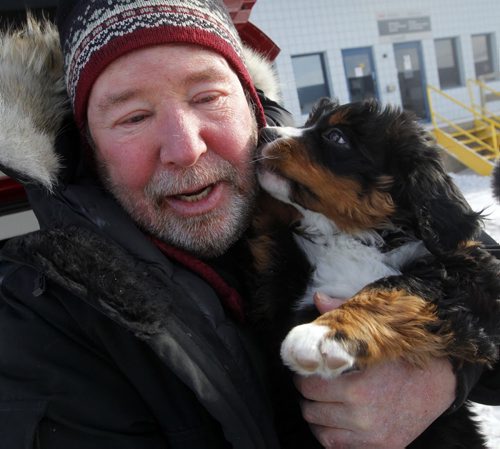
point(448, 63)
point(360, 73)
point(310, 78)
point(483, 54)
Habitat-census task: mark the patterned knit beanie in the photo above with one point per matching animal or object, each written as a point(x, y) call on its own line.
point(94, 33)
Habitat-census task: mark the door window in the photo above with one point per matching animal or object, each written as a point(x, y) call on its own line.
point(409, 65)
point(310, 79)
point(360, 73)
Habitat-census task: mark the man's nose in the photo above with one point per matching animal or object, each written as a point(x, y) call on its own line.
point(182, 140)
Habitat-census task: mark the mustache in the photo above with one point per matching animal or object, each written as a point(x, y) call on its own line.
point(170, 183)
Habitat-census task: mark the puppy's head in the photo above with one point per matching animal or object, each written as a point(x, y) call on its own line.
point(363, 166)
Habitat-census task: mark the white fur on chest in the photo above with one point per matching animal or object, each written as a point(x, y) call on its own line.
point(343, 264)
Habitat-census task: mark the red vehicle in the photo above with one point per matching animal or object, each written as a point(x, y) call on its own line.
point(15, 215)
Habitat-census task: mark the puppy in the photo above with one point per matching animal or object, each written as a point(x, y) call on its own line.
point(361, 209)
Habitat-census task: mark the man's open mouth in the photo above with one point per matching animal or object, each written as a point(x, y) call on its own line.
point(195, 196)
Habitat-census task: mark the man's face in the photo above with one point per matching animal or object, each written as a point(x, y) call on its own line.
point(174, 138)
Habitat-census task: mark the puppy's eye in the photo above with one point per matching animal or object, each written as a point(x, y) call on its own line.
point(336, 136)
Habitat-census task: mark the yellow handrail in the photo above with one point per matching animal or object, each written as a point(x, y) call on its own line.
point(472, 99)
point(492, 148)
point(482, 87)
point(459, 103)
point(486, 120)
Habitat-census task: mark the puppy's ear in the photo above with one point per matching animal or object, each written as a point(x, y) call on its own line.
point(443, 216)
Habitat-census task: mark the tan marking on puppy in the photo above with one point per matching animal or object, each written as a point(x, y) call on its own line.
point(378, 325)
point(469, 244)
point(339, 118)
point(339, 198)
point(270, 215)
point(262, 250)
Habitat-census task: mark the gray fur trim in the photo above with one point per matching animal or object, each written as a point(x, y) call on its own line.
point(262, 72)
point(100, 272)
point(33, 101)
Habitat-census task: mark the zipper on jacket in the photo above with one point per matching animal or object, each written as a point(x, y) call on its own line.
point(40, 285)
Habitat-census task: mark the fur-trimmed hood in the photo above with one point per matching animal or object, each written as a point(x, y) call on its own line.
point(33, 100)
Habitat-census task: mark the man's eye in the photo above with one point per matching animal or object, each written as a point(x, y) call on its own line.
point(336, 136)
point(207, 98)
point(134, 119)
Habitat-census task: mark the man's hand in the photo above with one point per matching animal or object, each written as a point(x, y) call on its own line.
point(385, 407)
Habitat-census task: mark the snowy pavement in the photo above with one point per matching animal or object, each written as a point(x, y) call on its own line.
point(477, 191)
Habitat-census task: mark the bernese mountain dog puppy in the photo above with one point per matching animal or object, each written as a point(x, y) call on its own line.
point(359, 207)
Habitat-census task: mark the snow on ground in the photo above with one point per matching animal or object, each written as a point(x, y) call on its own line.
point(477, 191)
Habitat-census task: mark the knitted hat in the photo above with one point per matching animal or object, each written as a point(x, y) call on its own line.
point(94, 33)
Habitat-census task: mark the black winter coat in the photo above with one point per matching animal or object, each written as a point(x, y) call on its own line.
point(105, 343)
point(119, 352)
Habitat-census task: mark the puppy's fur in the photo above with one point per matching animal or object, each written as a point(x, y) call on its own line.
point(366, 213)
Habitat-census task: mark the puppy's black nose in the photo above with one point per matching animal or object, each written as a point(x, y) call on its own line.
point(268, 134)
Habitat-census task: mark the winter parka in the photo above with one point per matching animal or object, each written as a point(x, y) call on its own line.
point(104, 341)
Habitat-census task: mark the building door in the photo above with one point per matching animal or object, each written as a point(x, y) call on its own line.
point(411, 76)
point(360, 73)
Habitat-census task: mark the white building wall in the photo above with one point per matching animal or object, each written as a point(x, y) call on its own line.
point(329, 26)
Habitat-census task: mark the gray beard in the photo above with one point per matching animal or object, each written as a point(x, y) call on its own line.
point(206, 236)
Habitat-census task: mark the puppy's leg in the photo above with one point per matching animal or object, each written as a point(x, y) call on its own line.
point(373, 326)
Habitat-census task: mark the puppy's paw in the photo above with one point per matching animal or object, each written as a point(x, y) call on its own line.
point(312, 349)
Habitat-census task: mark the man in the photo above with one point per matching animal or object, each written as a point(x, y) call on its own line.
point(116, 330)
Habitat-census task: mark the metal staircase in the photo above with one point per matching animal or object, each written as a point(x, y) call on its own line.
point(474, 140)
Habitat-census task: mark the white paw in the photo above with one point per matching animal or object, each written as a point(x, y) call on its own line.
point(307, 350)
